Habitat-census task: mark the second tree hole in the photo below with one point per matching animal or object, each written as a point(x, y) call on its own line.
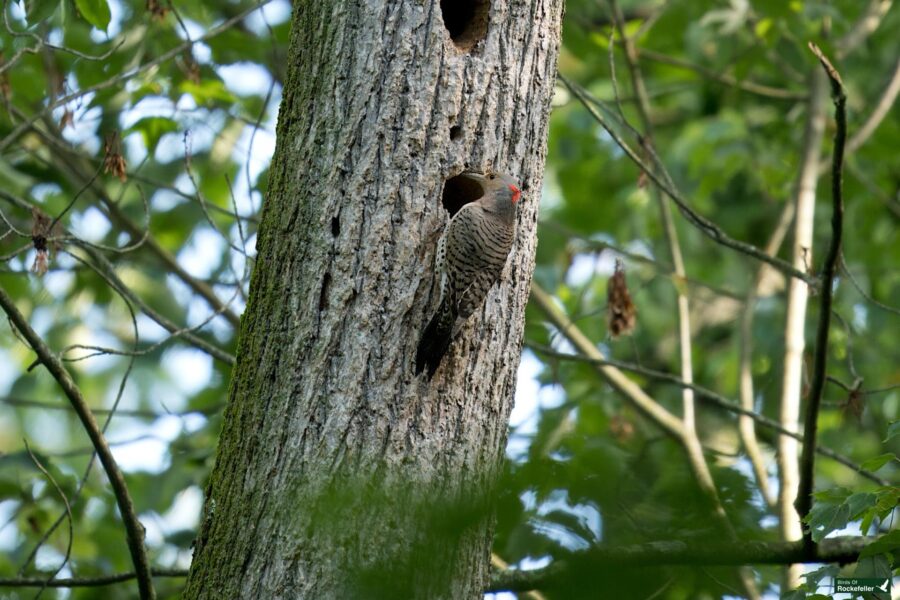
point(459, 191)
point(466, 21)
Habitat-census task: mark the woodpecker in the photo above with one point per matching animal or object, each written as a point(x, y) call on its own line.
point(470, 257)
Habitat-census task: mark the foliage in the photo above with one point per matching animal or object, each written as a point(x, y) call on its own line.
point(92, 83)
point(195, 127)
point(594, 469)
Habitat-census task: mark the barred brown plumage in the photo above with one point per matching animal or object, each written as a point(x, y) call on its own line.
point(470, 257)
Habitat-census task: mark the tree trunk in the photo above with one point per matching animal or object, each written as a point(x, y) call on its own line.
point(339, 473)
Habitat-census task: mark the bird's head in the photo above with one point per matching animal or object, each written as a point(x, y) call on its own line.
point(506, 185)
point(498, 190)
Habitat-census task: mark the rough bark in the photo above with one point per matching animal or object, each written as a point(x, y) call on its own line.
point(339, 473)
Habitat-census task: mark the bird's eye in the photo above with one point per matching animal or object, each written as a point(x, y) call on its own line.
point(492, 176)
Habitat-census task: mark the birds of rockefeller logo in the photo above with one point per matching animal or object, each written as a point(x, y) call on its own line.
point(879, 587)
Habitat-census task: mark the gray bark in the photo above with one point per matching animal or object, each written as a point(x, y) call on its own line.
point(339, 473)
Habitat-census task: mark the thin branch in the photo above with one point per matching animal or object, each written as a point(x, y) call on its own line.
point(592, 245)
point(882, 108)
point(201, 199)
point(73, 582)
point(101, 265)
point(817, 385)
point(503, 567)
point(133, 528)
point(65, 500)
point(90, 465)
point(889, 388)
point(890, 201)
point(665, 420)
point(867, 23)
point(747, 86)
point(106, 270)
point(796, 308)
point(44, 44)
point(632, 392)
point(78, 167)
point(671, 234)
point(745, 425)
point(707, 227)
point(838, 550)
point(859, 290)
point(137, 414)
point(127, 74)
point(717, 400)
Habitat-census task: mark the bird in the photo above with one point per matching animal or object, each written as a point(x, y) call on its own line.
point(470, 256)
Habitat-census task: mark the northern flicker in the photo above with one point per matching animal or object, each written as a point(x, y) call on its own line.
point(470, 256)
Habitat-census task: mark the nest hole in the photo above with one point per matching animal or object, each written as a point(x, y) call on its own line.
point(455, 133)
point(466, 21)
point(459, 191)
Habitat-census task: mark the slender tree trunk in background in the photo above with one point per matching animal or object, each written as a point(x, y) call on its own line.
point(339, 473)
point(795, 325)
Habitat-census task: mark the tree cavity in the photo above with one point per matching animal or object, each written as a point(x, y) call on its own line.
point(466, 21)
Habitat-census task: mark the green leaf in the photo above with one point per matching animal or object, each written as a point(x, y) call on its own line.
point(95, 12)
point(814, 577)
point(152, 129)
point(859, 503)
point(207, 91)
point(875, 463)
point(873, 566)
point(39, 10)
point(893, 431)
point(886, 502)
point(834, 495)
point(830, 512)
point(886, 543)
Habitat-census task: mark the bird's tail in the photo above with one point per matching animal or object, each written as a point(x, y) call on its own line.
point(435, 340)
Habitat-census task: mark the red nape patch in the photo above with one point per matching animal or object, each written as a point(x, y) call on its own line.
point(516, 193)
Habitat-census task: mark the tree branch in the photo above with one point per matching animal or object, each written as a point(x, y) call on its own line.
point(691, 441)
point(840, 550)
point(817, 385)
point(747, 397)
point(796, 309)
point(73, 582)
point(668, 223)
point(747, 86)
point(100, 265)
point(133, 528)
point(668, 422)
point(78, 167)
point(121, 412)
point(712, 398)
point(127, 74)
point(707, 227)
point(867, 23)
point(882, 107)
point(665, 420)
